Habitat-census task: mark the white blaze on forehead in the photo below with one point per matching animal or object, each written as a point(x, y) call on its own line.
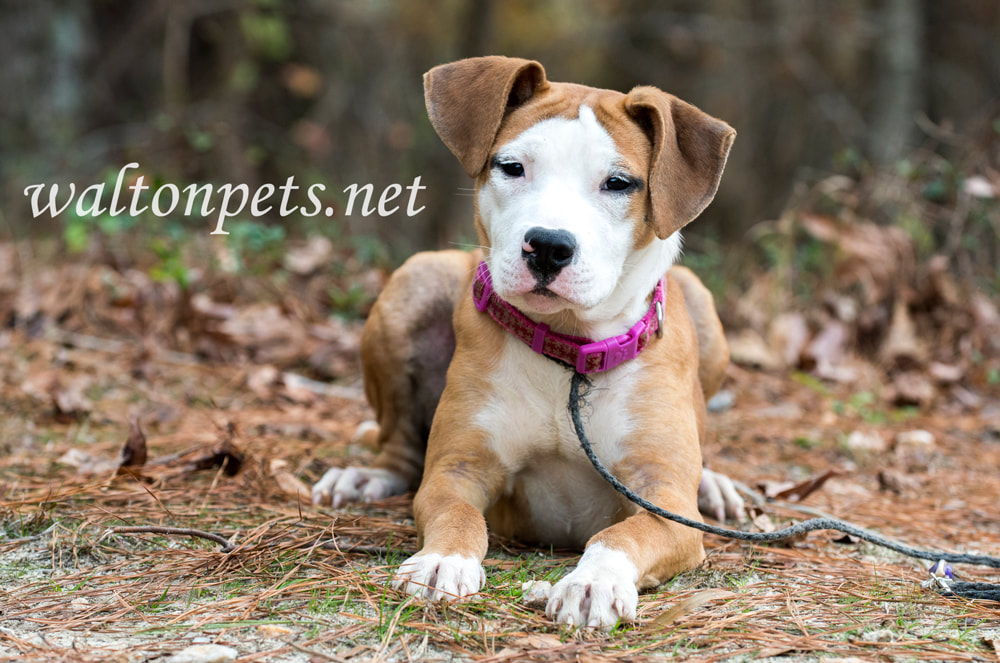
point(576, 150)
point(566, 163)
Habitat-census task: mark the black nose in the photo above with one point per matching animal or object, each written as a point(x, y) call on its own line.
point(548, 251)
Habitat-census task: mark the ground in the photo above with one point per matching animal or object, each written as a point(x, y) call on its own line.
point(230, 448)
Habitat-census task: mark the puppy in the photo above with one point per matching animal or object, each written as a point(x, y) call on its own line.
point(580, 194)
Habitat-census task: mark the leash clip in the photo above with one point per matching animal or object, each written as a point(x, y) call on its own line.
point(659, 319)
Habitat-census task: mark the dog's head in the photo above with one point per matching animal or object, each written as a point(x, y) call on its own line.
point(580, 192)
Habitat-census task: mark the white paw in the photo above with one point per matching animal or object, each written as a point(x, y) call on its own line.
point(598, 593)
point(356, 484)
point(718, 498)
point(440, 577)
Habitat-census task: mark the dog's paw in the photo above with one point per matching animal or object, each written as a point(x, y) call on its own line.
point(356, 484)
point(718, 497)
point(438, 577)
point(598, 593)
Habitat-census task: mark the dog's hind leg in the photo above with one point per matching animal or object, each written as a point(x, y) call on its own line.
point(406, 346)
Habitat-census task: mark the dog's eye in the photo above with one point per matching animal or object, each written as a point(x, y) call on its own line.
point(617, 183)
point(512, 168)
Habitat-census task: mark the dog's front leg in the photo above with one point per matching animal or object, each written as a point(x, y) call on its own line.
point(641, 551)
point(456, 490)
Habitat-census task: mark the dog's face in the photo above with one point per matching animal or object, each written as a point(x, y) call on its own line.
point(559, 206)
point(580, 191)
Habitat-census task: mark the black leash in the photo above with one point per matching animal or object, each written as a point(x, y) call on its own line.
point(965, 589)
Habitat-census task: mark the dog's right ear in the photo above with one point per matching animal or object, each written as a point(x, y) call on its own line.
point(467, 100)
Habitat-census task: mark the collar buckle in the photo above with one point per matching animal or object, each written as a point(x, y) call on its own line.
point(617, 350)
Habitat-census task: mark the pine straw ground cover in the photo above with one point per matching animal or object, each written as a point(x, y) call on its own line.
point(310, 584)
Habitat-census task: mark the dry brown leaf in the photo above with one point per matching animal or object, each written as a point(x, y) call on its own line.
point(804, 489)
point(227, 455)
point(759, 519)
point(289, 483)
point(304, 260)
point(262, 379)
point(911, 388)
point(748, 348)
point(538, 641)
point(827, 348)
point(902, 349)
point(772, 488)
point(689, 604)
point(87, 463)
point(134, 452)
point(945, 373)
point(787, 336)
point(897, 482)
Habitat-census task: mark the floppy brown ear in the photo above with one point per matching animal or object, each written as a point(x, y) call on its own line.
point(467, 100)
point(690, 148)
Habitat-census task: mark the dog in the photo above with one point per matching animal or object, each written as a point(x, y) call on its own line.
point(580, 194)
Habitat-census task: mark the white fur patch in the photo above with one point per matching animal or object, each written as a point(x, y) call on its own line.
point(356, 484)
point(438, 577)
point(598, 593)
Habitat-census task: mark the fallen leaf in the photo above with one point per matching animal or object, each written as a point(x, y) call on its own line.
point(748, 348)
point(902, 349)
point(134, 451)
point(911, 388)
point(87, 463)
point(827, 348)
point(288, 482)
point(787, 336)
point(304, 260)
point(897, 482)
point(760, 519)
point(804, 489)
point(538, 641)
point(690, 604)
point(227, 455)
point(866, 442)
point(262, 379)
point(945, 373)
point(772, 488)
point(70, 403)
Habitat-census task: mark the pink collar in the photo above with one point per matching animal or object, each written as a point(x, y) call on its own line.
point(581, 353)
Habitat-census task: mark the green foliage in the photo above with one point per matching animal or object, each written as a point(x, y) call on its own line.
point(267, 34)
point(256, 246)
point(171, 265)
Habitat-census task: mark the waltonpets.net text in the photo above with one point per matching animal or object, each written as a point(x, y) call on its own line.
point(224, 201)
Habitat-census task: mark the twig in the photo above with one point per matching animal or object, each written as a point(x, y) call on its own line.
point(177, 531)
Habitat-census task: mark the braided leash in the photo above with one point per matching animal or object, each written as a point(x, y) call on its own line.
point(972, 590)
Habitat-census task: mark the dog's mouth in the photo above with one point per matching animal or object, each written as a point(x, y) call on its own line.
point(542, 291)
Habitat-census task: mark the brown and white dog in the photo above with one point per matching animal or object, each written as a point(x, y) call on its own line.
point(580, 193)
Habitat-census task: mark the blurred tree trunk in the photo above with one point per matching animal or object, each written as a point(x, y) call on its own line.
point(477, 29)
point(899, 93)
point(43, 46)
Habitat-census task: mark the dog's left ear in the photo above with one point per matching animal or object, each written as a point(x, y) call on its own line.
point(690, 148)
point(468, 99)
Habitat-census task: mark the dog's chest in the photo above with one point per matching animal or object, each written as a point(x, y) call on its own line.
point(528, 416)
point(529, 428)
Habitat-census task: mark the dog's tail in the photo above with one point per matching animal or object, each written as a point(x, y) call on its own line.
point(713, 351)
